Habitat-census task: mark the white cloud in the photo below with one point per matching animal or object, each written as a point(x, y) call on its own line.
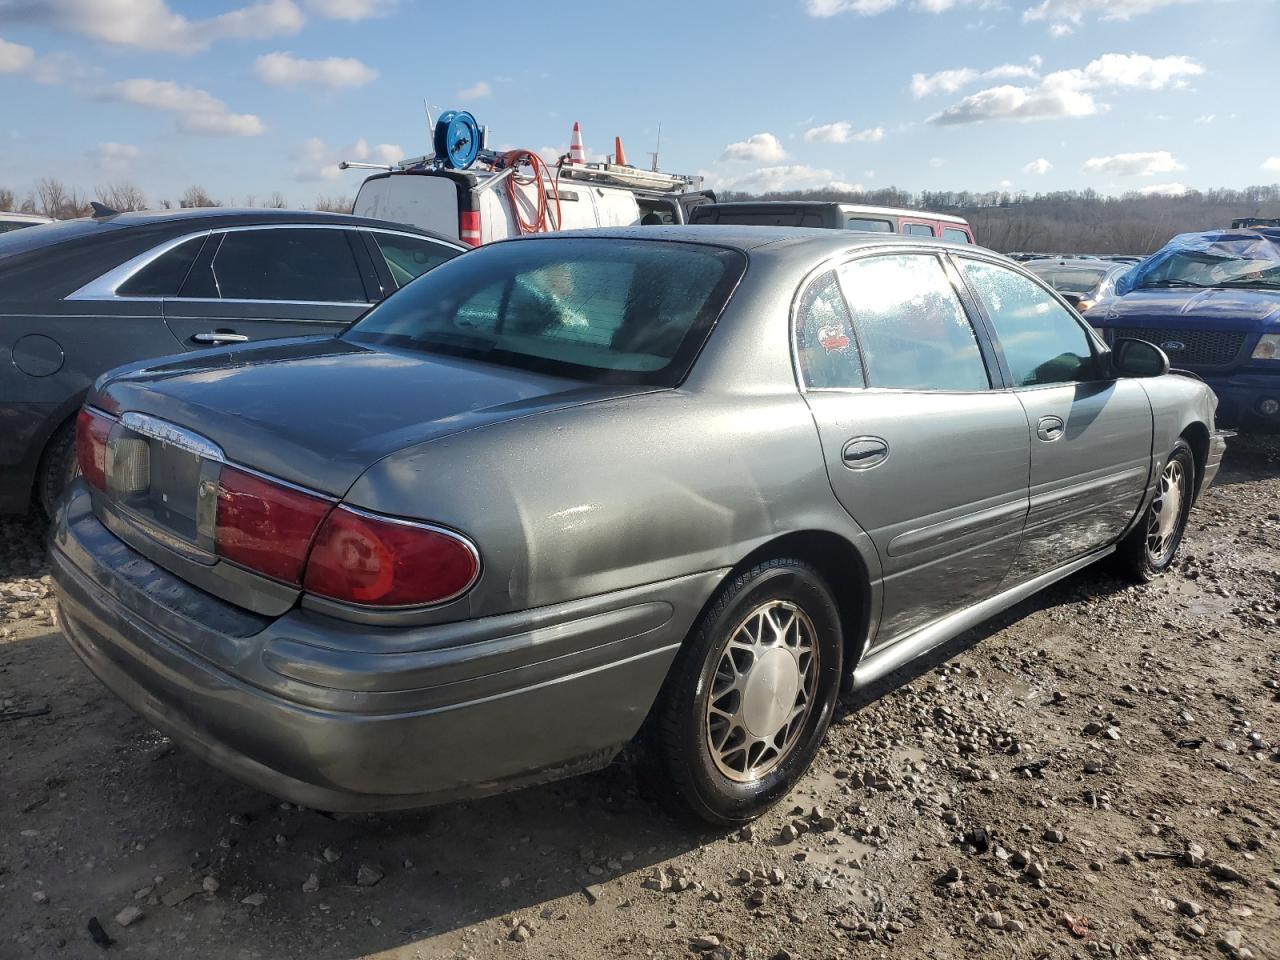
point(951, 81)
point(197, 111)
point(1164, 190)
point(1060, 30)
point(316, 160)
point(865, 8)
point(794, 176)
point(1038, 167)
point(115, 158)
point(937, 162)
point(1069, 93)
point(14, 57)
point(1074, 12)
point(1207, 118)
point(152, 25)
point(1271, 164)
point(1134, 164)
point(475, 92)
point(350, 9)
point(286, 70)
point(757, 148)
point(842, 132)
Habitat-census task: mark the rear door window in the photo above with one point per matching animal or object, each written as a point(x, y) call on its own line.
point(289, 264)
point(918, 230)
point(825, 344)
point(410, 257)
point(955, 234)
point(1043, 342)
point(911, 325)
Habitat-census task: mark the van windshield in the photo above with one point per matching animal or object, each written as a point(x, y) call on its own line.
point(605, 310)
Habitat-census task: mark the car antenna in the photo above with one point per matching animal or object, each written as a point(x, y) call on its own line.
point(101, 210)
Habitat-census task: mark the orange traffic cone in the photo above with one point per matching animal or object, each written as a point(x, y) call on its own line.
point(619, 157)
point(576, 152)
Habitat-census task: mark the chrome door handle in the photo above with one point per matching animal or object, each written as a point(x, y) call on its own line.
point(217, 337)
point(1050, 429)
point(860, 453)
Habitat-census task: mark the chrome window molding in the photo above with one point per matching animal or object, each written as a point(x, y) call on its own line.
point(105, 286)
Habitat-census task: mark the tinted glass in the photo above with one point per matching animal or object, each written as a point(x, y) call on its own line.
point(20, 241)
point(625, 311)
point(288, 264)
point(911, 326)
point(1073, 280)
point(763, 218)
point(1042, 340)
point(163, 276)
point(872, 226)
point(958, 236)
point(825, 344)
point(918, 229)
point(9, 226)
point(410, 257)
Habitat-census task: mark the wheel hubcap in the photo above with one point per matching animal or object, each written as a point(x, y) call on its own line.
point(762, 692)
point(1166, 512)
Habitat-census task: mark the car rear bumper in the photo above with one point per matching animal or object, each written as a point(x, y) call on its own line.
point(1241, 398)
point(338, 717)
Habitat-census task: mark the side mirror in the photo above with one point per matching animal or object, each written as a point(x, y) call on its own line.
point(1137, 358)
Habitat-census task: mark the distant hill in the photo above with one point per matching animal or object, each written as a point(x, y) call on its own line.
point(1069, 221)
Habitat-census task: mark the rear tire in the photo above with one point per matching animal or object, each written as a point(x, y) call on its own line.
point(1150, 547)
point(751, 693)
point(58, 467)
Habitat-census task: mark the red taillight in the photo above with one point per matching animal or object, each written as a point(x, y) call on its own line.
point(91, 446)
point(360, 558)
point(469, 227)
point(265, 526)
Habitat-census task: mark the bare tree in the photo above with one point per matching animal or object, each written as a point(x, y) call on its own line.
point(56, 201)
point(197, 196)
point(122, 196)
point(275, 201)
point(7, 200)
point(334, 204)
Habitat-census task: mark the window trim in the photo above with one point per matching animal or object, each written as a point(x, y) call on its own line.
point(1096, 344)
point(987, 351)
point(105, 286)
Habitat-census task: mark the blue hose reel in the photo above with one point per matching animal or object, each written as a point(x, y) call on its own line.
point(457, 139)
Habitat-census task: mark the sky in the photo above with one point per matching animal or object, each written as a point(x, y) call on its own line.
point(247, 97)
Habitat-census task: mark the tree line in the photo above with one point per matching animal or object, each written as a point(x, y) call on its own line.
point(1068, 221)
point(50, 197)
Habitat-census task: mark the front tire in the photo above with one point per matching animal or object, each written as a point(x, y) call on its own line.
point(751, 693)
point(1150, 547)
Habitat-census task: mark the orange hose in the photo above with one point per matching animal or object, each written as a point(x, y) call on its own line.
point(541, 222)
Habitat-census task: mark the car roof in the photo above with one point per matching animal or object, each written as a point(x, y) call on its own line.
point(1071, 263)
point(754, 238)
point(844, 207)
point(207, 216)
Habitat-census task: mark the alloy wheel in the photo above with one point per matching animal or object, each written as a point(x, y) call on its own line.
point(1166, 513)
point(763, 691)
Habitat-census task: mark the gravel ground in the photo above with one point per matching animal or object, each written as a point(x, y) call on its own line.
point(1096, 772)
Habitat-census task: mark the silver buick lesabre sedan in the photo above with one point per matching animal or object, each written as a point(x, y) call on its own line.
point(563, 488)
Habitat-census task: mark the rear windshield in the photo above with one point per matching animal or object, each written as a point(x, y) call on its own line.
point(601, 310)
point(764, 217)
point(23, 241)
point(1070, 281)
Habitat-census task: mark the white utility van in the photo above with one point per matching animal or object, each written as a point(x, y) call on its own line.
point(474, 206)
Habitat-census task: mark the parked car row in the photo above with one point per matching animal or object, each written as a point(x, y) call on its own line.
point(557, 489)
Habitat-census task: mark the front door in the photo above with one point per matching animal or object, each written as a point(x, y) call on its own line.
point(1090, 436)
point(921, 451)
point(266, 282)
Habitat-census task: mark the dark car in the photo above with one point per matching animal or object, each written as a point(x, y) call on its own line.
point(1211, 301)
point(1081, 282)
point(82, 296)
point(834, 216)
point(702, 476)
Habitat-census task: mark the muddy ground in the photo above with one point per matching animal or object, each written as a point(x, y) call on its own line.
point(1097, 772)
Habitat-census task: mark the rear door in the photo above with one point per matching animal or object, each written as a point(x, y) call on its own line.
point(914, 227)
point(922, 447)
point(1090, 436)
point(259, 283)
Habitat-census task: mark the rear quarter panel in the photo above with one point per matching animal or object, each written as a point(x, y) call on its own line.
point(1178, 404)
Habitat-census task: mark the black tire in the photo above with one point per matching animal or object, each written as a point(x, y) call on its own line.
point(58, 467)
point(683, 726)
point(1139, 555)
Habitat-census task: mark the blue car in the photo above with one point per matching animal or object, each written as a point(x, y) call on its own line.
point(1211, 301)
